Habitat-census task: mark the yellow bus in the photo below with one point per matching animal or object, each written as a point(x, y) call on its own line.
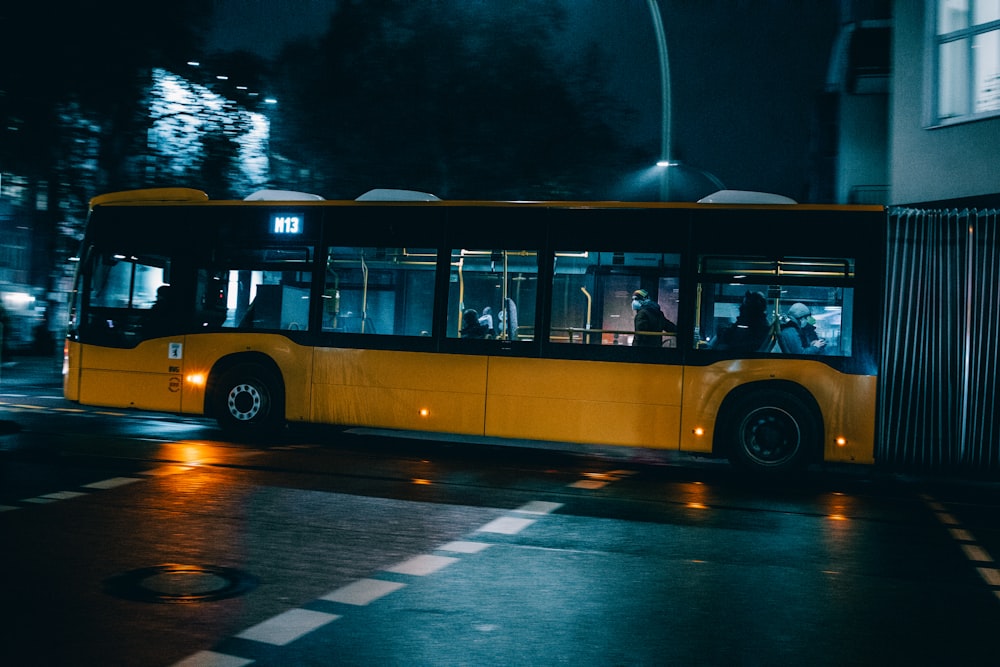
point(486, 320)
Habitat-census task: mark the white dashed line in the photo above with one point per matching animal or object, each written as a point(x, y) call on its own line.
point(293, 624)
point(506, 525)
point(287, 627)
point(362, 592)
point(465, 547)
point(538, 507)
point(7, 508)
point(990, 575)
point(112, 483)
point(421, 566)
point(975, 553)
point(64, 495)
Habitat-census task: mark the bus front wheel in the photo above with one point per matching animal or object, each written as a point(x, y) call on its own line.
point(771, 432)
point(248, 401)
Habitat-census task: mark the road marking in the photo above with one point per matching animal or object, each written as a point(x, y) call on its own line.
point(7, 508)
point(63, 495)
point(974, 552)
point(212, 659)
point(38, 500)
point(112, 483)
point(465, 547)
point(362, 592)
point(287, 627)
point(961, 535)
point(539, 507)
point(290, 625)
point(506, 525)
point(990, 575)
point(420, 566)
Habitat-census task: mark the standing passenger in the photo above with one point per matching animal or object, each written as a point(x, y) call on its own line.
point(649, 317)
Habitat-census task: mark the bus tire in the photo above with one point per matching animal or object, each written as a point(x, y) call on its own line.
point(249, 402)
point(771, 432)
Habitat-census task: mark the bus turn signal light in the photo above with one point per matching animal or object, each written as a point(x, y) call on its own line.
point(841, 441)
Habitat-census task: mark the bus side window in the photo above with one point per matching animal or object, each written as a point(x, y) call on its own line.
point(379, 290)
point(123, 292)
point(261, 288)
point(592, 297)
point(499, 287)
point(797, 301)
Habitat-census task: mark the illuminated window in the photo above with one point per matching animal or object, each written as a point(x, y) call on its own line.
point(379, 291)
point(491, 294)
point(759, 305)
point(259, 288)
point(592, 298)
point(966, 46)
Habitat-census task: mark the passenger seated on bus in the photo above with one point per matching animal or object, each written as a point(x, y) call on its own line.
point(751, 332)
point(486, 319)
point(471, 326)
point(798, 333)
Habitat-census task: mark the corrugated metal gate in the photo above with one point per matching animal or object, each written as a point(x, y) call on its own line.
point(939, 387)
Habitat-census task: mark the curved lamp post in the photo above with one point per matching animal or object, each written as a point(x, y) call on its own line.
point(661, 47)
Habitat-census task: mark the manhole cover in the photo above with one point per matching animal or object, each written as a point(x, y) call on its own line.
point(175, 583)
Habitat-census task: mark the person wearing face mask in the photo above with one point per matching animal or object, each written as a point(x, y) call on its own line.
point(649, 317)
point(798, 332)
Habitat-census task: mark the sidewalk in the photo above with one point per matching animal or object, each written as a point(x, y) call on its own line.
point(31, 371)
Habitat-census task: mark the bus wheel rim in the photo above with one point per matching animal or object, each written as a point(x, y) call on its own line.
point(245, 402)
point(770, 436)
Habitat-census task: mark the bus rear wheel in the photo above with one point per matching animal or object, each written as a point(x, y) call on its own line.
point(248, 401)
point(771, 432)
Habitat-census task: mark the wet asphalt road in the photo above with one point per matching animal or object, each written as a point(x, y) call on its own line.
point(139, 539)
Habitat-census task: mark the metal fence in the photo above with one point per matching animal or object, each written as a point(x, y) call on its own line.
point(939, 389)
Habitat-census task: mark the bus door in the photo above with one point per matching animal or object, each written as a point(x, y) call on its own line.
point(131, 345)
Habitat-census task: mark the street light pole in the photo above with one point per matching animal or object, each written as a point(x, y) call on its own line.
point(665, 148)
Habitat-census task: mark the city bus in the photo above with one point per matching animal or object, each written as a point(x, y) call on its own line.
point(489, 321)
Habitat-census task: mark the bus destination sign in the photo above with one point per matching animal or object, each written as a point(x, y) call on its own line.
point(286, 224)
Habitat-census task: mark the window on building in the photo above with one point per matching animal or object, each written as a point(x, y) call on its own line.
point(966, 45)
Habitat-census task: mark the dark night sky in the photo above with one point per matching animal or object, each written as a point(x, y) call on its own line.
point(744, 73)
